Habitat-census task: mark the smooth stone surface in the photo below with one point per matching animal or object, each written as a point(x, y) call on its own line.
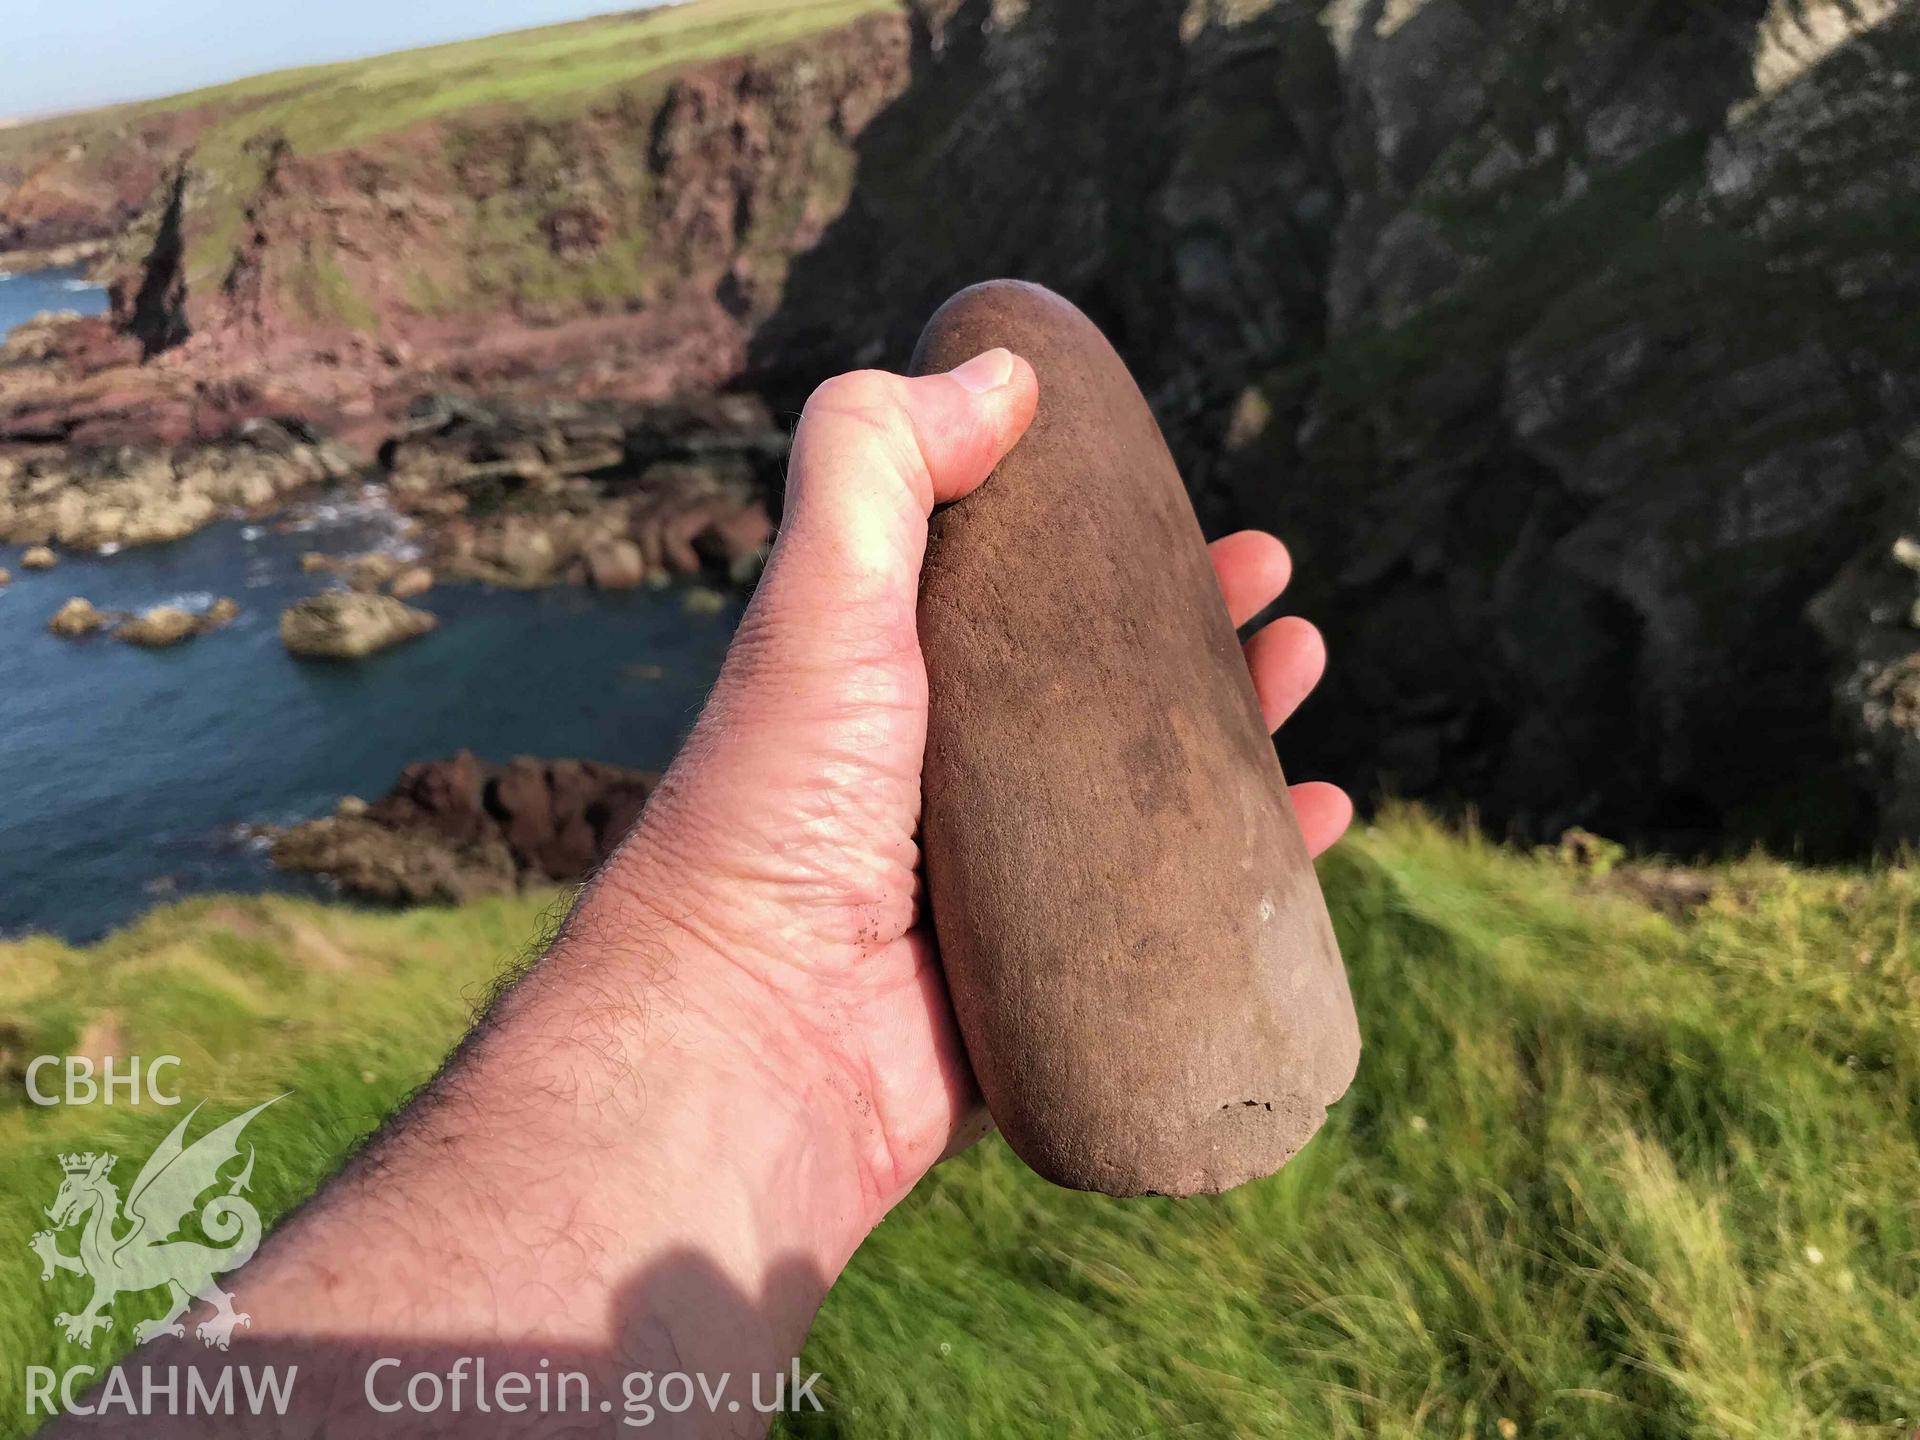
point(1135, 941)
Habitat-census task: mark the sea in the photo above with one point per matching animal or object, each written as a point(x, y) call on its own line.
point(131, 777)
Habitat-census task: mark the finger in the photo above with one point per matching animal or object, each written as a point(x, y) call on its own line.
point(1253, 568)
point(1324, 812)
point(873, 454)
point(934, 437)
point(1287, 659)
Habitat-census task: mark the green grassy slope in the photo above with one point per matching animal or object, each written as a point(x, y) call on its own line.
point(1613, 1166)
point(325, 107)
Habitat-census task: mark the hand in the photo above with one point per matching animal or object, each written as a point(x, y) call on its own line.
point(782, 842)
point(667, 1139)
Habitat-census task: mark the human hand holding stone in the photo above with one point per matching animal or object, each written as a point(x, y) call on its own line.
point(782, 845)
point(665, 1141)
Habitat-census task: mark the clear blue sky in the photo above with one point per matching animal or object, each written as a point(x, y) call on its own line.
point(69, 54)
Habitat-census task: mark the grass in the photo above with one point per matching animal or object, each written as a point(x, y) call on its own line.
point(1616, 1164)
point(321, 108)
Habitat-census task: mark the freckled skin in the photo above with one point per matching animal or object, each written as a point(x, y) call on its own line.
point(1135, 942)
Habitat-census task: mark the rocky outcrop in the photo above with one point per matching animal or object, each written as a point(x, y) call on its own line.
point(1568, 495)
point(76, 618)
point(1869, 618)
point(77, 255)
point(74, 182)
point(412, 581)
point(85, 499)
point(167, 625)
point(451, 830)
point(607, 495)
point(373, 571)
point(1567, 356)
point(349, 625)
point(620, 244)
point(156, 628)
point(366, 572)
point(401, 867)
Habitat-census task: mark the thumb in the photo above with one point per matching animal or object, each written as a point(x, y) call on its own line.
point(873, 454)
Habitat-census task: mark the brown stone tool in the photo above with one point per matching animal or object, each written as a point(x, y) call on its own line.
point(1133, 936)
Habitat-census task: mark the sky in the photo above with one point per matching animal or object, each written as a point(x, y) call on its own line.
point(72, 54)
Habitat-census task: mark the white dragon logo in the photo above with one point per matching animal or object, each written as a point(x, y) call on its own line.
point(144, 1255)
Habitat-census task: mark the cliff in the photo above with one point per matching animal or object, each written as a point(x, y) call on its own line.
point(331, 242)
point(1567, 344)
point(1564, 340)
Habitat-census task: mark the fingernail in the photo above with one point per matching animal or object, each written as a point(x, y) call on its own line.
point(985, 372)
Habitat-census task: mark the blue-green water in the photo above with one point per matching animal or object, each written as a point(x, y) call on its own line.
point(23, 296)
point(125, 773)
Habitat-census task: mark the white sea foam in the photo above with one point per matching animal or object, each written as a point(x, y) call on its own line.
point(372, 507)
point(191, 601)
point(250, 836)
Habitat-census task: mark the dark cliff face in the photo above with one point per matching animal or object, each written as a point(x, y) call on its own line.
point(1578, 490)
point(1571, 366)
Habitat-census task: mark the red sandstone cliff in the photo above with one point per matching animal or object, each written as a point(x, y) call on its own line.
point(626, 248)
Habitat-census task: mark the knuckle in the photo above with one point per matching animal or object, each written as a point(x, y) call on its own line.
point(856, 390)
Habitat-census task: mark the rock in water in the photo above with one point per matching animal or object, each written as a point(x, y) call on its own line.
point(616, 565)
point(76, 618)
point(454, 829)
point(345, 625)
point(1137, 948)
point(414, 580)
point(159, 627)
point(38, 557)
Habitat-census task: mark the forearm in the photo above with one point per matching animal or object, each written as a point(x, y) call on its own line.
point(624, 1171)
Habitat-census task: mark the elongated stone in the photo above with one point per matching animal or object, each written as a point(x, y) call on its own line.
point(1133, 936)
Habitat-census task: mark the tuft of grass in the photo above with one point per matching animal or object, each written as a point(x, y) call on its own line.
point(1622, 1159)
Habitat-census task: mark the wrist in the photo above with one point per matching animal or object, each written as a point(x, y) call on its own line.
point(704, 1111)
point(773, 1011)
